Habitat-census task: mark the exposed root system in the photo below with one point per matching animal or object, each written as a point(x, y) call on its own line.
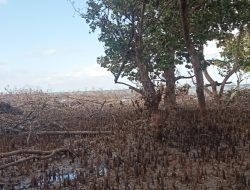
point(108, 142)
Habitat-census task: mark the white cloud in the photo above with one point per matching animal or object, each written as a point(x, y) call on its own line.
point(96, 71)
point(73, 81)
point(2, 2)
point(92, 71)
point(86, 78)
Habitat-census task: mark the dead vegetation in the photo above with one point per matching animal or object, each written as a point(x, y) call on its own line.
point(106, 141)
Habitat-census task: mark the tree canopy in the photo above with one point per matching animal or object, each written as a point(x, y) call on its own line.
point(144, 39)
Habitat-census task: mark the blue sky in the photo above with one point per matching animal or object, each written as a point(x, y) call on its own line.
point(44, 44)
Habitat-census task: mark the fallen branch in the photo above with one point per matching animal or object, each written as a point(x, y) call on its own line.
point(103, 105)
point(74, 132)
point(50, 154)
point(26, 151)
point(85, 100)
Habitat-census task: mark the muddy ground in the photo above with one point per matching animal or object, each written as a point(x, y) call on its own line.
point(104, 140)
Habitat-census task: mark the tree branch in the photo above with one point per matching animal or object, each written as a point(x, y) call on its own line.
point(192, 78)
point(124, 59)
point(140, 91)
point(72, 2)
point(184, 77)
point(208, 77)
point(236, 64)
point(217, 84)
point(50, 154)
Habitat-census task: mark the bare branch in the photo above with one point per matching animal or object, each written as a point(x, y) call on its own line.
point(192, 78)
point(140, 91)
point(217, 84)
point(78, 11)
point(184, 77)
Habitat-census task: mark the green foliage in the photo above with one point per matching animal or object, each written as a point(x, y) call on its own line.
point(117, 21)
point(235, 52)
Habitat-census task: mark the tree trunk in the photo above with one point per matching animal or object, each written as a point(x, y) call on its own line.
point(230, 73)
point(235, 66)
point(208, 91)
point(239, 80)
point(212, 83)
point(152, 98)
point(170, 97)
point(194, 57)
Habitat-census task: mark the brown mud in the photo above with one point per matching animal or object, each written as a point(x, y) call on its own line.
point(105, 141)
